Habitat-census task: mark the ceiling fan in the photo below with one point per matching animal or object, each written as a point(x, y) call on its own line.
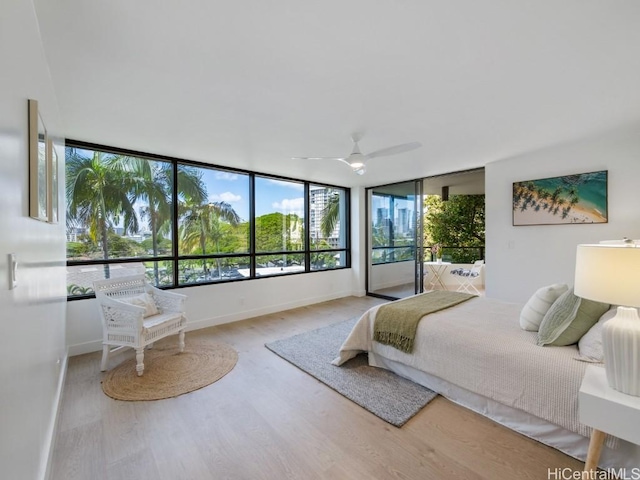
point(357, 160)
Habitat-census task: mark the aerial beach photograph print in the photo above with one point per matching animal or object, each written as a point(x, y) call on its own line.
point(570, 199)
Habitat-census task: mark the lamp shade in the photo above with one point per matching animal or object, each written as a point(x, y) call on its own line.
point(608, 273)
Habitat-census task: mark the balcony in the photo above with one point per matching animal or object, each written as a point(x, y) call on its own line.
point(394, 277)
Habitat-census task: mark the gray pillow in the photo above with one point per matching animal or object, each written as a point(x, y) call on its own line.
point(568, 319)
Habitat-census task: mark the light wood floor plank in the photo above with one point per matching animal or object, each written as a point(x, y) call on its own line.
point(140, 465)
point(267, 419)
point(80, 453)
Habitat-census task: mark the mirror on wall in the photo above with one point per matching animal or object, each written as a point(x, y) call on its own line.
point(38, 165)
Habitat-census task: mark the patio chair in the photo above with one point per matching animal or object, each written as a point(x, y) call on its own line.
point(135, 314)
point(465, 277)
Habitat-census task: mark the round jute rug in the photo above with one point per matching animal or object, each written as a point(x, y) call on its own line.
point(168, 373)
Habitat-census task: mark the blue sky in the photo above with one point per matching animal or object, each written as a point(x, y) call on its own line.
point(271, 195)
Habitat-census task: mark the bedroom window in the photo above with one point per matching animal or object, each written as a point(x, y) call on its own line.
point(279, 224)
point(184, 223)
point(213, 225)
point(327, 227)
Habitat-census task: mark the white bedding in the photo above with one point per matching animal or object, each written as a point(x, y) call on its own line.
point(479, 347)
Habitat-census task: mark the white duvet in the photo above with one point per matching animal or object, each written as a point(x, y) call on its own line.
point(479, 346)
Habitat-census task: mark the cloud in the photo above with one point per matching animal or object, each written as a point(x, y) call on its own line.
point(226, 176)
point(290, 205)
point(284, 183)
point(227, 197)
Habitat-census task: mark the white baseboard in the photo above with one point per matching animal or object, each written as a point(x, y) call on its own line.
point(256, 312)
point(85, 347)
point(96, 345)
point(52, 428)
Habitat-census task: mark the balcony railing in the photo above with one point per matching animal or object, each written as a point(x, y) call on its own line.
point(456, 254)
point(405, 253)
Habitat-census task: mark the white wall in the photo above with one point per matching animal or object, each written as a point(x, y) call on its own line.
point(32, 317)
point(358, 235)
point(522, 259)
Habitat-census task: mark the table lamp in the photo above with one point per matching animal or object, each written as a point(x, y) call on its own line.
point(610, 273)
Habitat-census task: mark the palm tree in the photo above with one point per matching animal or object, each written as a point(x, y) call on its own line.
point(153, 184)
point(555, 196)
point(201, 222)
point(330, 214)
point(99, 197)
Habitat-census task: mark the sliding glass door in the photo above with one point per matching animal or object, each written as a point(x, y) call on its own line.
point(394, 240)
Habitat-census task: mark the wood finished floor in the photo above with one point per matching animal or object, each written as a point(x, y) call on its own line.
point(267, 419)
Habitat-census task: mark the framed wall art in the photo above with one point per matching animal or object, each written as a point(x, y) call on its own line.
point(38, 165)
point(570, 199)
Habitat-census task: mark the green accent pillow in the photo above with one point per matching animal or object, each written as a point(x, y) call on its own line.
point(568, 319)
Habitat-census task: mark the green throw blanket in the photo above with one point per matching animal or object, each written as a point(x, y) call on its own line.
point(396, 323)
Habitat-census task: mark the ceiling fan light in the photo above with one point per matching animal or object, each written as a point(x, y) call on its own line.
point(356, 160)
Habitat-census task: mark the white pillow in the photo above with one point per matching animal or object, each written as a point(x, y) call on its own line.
point(144, 300)
point(539, 304)
point(590, 345)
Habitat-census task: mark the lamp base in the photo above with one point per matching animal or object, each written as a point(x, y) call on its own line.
point(621, 347)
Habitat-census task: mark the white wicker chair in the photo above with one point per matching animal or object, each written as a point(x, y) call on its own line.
point(126, 324)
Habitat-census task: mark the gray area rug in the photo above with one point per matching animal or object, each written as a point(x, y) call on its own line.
point(383, 393)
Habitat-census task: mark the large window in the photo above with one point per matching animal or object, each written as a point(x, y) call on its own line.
point(183, 223)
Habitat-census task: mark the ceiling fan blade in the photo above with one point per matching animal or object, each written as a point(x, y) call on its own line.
point(405, 147)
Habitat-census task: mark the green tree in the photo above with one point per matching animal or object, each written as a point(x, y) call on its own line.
point(99, 196)
point(164, 245)
point(121, 247)
point(458, 222)
point(153, 184)
point(201, 223)
point(323, 259)
point(274, 232)
point(77, 249)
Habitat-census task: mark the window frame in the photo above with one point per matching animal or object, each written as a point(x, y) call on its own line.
point(251, 255)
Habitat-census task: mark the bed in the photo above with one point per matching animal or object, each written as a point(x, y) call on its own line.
point(475, 354)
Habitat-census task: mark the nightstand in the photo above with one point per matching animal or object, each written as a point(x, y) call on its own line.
point(607, 411)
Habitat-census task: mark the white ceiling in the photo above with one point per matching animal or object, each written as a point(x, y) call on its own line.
point(250, 83)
